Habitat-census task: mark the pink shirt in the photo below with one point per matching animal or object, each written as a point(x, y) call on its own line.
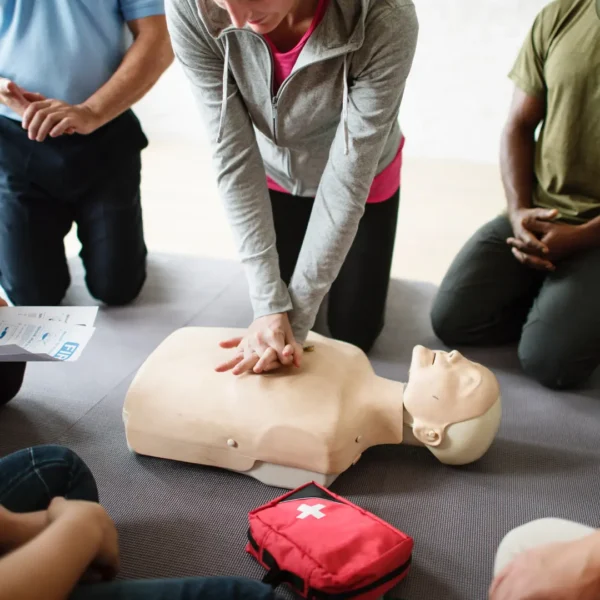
point(386, 183)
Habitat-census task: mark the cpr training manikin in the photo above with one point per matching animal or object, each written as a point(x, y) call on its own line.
point(292, 426)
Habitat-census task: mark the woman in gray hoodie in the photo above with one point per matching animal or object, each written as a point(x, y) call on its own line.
point(301, 100)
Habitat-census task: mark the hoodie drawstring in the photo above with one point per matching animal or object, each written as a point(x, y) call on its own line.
point(225, 82)
point(345, 105)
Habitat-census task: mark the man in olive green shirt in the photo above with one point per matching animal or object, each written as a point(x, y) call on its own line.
point(532, 275)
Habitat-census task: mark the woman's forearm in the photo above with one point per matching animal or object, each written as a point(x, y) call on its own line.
point(50, 565)
point(240, 170)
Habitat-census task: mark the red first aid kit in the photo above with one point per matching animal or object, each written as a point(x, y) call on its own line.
point(326, 548)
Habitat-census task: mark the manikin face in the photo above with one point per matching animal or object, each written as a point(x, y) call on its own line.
point(262, 16)
point(446, 388)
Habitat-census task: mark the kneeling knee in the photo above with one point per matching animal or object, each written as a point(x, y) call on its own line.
point(440, 323)
point(445, 322)
point(38, 295)
point(549, 366)
point(11, 380)
point(117, 291)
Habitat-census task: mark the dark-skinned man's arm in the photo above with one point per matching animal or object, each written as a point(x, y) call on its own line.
point(517, 157)
point(538, 242)
point(590, 233)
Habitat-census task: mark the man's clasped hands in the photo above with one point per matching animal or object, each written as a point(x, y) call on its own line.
point(46, 117)
point(540, 242)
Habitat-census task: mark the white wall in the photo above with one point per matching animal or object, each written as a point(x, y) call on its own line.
point(457, 94)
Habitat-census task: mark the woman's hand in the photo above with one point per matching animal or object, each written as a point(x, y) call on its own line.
point(91, 514)
point(268, 344)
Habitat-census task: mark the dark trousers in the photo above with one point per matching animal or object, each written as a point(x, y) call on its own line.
point(489, 298)
point(358, 296)
point(30, 478)
point(11, 380)
point(93, 181)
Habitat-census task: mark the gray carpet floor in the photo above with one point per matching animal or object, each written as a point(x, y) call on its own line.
point(179, 520)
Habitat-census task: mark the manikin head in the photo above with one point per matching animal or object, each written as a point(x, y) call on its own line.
point(262, 16)
point(452, 405)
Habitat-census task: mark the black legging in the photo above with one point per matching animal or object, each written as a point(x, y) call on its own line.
point(357, 299)
point(11, 379)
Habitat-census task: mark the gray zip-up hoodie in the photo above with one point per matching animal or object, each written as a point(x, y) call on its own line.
point(331, 127)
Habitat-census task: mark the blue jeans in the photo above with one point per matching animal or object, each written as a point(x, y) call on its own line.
point(30, 478)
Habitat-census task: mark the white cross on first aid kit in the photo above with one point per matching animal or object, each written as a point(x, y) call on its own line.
point(310, 511)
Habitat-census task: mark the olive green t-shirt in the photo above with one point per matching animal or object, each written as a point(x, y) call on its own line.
point(560, 62)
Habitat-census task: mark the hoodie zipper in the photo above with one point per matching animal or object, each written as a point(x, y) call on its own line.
point(275, 99)
point(274, 114)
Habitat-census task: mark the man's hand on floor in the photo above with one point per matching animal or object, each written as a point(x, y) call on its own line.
point(15, 97)
point(560, 571)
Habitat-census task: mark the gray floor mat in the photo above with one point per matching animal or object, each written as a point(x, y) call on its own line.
point(177, 519)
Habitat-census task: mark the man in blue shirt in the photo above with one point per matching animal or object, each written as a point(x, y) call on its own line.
point(70, 145)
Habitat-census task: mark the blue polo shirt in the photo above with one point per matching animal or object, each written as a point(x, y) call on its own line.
point(66, 49)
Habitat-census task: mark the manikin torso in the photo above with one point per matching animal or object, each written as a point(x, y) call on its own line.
point(296, 425)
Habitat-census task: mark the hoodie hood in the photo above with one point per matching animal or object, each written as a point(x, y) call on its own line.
point(343, 25)
point(341, 32)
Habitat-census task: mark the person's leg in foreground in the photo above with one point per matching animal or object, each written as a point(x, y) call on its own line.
point(49, 500)
point(30, 478)
point(552, 559)
point(189, 588)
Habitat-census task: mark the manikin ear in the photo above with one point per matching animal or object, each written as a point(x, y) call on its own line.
point(428, 435)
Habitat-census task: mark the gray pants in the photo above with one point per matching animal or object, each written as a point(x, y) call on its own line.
point(489, 298)
point(535, 534)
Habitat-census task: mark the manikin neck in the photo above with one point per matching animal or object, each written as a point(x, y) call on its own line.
point(385, 401)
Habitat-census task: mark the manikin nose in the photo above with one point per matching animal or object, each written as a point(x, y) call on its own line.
point(454, 355)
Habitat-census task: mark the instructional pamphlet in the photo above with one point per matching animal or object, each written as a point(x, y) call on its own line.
point(45, 333)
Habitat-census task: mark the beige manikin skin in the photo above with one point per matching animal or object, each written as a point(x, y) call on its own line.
point(292, 426)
